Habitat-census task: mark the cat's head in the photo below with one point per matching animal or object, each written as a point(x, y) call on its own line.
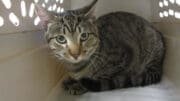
point(72, 35)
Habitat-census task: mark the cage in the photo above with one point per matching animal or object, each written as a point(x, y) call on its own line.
point(28, 72)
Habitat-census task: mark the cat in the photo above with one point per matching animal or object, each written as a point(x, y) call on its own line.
point(116, 50)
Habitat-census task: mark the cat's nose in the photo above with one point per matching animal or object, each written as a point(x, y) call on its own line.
point(74, 50)
point(75, 56)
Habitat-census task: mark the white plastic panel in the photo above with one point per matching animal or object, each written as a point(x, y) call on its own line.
point(28, 71)
point(166, 11)
point(140, 7)
point(167, 21)
point(19, 15)
point(171, 33)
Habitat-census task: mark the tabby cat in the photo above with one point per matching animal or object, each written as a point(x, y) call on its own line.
point(117, 50)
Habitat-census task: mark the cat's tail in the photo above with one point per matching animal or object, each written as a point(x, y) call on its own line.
point(147, 78)
point(105, 84)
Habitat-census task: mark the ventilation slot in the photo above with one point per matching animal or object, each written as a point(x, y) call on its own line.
point(14, 19)
point(27, 11)
point(168, 7)
point(23, 8)
point(7, 3)
point(1, 21)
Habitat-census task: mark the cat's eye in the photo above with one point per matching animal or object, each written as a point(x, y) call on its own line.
point(84, 36)
point(61, 39)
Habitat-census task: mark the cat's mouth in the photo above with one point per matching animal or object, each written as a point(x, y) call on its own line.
point(75, 59)
point(79, 58)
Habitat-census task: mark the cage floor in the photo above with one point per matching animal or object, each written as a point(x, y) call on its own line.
point(165, 91)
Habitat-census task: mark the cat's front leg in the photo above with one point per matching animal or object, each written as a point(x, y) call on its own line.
point(73, 87)
point(90, 84)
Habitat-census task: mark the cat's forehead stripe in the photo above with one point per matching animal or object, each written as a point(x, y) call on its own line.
point(71, 23)
point(79, 29)
point(66, 27)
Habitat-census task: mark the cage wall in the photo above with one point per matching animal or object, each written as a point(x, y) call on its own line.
point(28, 70)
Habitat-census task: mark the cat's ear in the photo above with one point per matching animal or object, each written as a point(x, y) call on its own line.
point(91, 12)
point(44, 15)
point(87, 11)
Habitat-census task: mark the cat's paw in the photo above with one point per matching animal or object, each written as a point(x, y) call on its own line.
point(73, 87)
point(90, 84)
point(67, 83)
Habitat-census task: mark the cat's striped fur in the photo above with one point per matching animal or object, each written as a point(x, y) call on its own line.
point(129, 51)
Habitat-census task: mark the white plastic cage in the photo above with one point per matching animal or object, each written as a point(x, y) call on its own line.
point(28, 72)
point(19, 15)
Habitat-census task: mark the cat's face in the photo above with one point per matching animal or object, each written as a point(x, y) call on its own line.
point(72, 37)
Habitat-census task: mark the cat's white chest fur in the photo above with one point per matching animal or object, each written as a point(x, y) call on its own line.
point(84, 73)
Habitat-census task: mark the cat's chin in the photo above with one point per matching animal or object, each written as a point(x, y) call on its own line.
point(77, 61)
point(74, 61)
